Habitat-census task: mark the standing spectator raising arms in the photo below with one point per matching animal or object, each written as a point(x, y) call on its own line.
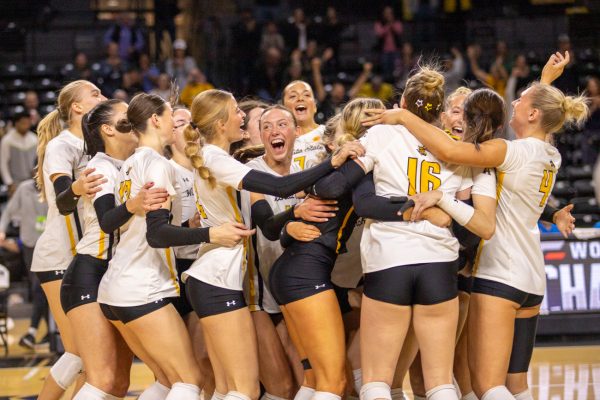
point(388, 32)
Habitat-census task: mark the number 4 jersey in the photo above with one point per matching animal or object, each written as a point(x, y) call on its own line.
point(403, 167)
point(524, 182)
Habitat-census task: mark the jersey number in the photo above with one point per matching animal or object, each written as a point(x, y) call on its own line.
point(546, 186)
point(124, 191)
point(300, 161)
point(422, 179)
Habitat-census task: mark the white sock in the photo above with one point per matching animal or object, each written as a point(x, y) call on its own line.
point(398, 394)
point(233, 395)
point(304, 393)
point(269, 396)
point(442, 392)
point(469, 396)
point(498, 393)
point(217, 396)
point(326, 396)
point(32, 331)
point(456, 387)
point(156, 391)
point(375, 390)
point(89, 392)
point(183, 391)
point(357, 373)
point(525, 395)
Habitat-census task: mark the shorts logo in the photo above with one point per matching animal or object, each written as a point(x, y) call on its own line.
point(230, 303)
point(317, 287)
point(87, 296)
point(59, 272)
point(158, 301)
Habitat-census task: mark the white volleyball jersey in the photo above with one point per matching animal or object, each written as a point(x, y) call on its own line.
point(484, 182)
point(347, 270)
point(95, 242)
point(56, 246)
point(402, 167)
point(267, 251)
point(216, 265)
point(139, 274)
point(309, 148)
point(185, 177)
point(513, 256)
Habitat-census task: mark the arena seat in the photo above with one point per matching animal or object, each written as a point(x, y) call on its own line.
point(41, 70)
point(586, 205)
point(14, 71)
point(584, 187)
point(18, 85)
point(48, 97)
point(563, 189)
point(586, 220)
point(16, 98)
point(583, 172)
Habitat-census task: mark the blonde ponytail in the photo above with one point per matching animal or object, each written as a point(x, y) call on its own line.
point(208, 108)
point(558, 109)
point(52, 125)
point(193, 151)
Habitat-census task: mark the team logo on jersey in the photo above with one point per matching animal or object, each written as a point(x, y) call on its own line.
point(128, 170)
point(422, 150)
point(552, 165)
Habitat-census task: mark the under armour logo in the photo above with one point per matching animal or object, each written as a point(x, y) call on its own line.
point(59, 272)
point(87, 296)
point(230, 303)
point(317, 287)
point(158, 301)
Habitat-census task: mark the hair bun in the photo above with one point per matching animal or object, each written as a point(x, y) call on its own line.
point(124, 125)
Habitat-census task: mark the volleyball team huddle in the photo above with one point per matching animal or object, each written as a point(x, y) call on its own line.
point(229, 246)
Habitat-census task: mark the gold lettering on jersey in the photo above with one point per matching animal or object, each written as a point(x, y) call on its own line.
point(125, 190)
point(425, 176)
point(546, 186)
point(301, 161)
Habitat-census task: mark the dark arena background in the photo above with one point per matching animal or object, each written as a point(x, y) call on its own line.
point(253, 48)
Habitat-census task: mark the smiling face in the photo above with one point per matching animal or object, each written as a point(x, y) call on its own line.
point(299, 98)
point(453, 117)
point(278, 133)
point(233, 127)
point(523, 112)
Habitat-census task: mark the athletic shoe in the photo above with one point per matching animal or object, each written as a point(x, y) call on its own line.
point(27, 341)
point(45, 340)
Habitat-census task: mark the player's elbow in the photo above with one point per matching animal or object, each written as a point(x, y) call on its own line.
point(488, 231)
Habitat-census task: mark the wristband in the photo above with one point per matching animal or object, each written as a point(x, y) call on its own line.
point(459, 211)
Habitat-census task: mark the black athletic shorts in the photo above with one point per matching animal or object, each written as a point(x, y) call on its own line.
point(50, 276)
point(342, 297)
point(181, 303)
point(81, 281)
point(465, 283)
point(208, 300)
point(303, 270)
point(131, 313)
point(406, 285)
point(497, 289)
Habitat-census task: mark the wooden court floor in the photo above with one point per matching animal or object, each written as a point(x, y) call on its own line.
point(556, 373)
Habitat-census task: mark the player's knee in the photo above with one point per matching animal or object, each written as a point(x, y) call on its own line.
point(66, 370)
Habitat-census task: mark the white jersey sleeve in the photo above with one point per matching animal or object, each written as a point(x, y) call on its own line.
point(484, 182)
point(59, 158)
point(369, 141)
point(158, 173)
point(516, 156)
point(226, 169)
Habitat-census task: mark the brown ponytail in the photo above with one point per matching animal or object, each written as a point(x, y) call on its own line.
point(484, 116)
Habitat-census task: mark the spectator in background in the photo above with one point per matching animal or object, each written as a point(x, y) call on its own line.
point(164, 87)
point(18, 152)
point(196, 83)
point(389, 40)
point(591, 130)
point(132, 82)
point(112, 69)
point(405, 64)
point(496, 78)
point(331, 31)
point(330, 103)
point(81, 69)
point(454, 71)
point(568, 82)
point(516, 83)
point(165, 12)
point(149, 72)
point(372, 85)
point(31, 103)
point(25, 206)
point(297, 31)
point(271, 38)
point(246, 37)
point(180, 65)
point(268, 76)
point(128, 38)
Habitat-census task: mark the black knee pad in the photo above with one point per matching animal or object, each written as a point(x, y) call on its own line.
point(523, 341)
